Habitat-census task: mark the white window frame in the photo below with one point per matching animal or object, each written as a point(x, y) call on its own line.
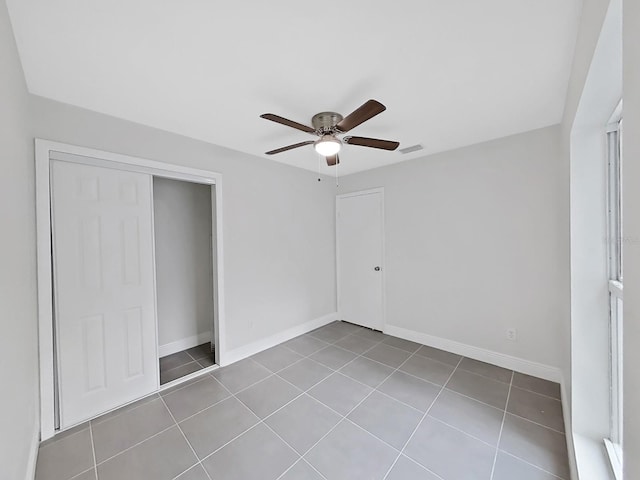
point(614, 195)
point(613, 444)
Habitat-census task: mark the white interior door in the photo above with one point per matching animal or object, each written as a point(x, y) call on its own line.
point(359, 233)
point(104, 288)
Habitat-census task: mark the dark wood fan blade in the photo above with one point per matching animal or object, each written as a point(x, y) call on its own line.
point(333, 160)
point(289, 147)
point(368, 110)
point(287, 122)
point(371, 142)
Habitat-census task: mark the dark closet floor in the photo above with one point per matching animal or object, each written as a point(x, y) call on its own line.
point(183, 363)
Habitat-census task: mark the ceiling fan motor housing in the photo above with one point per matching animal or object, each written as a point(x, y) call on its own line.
point(325, 122)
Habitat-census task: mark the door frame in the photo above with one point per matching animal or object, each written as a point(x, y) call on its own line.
point(383, 286)
point(43, 150)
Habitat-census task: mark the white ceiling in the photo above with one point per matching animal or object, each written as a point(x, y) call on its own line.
point(451, 73)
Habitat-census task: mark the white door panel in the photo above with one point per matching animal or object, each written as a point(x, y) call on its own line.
point(104, 288)
point(360, 252)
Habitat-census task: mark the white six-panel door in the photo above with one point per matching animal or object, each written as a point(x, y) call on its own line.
point(359, 256)
point(102, 230)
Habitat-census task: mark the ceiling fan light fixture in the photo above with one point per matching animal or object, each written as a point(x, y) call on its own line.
point(327, 145)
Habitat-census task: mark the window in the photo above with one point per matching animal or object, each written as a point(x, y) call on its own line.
point(615, 251)
point(614, 201)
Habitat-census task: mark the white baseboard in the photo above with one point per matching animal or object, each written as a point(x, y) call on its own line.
point(183, 344)
point(33, 453)
point(495, 358)
point(252, 348)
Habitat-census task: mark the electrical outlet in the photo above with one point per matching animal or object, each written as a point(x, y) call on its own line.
point(512, 334)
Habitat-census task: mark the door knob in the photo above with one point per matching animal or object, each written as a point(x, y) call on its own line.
point(377, 269)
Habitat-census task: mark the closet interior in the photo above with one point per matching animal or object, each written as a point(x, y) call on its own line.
point(184, 276)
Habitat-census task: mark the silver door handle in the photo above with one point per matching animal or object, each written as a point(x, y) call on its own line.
point(377, 269)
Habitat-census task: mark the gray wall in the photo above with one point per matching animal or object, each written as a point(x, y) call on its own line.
point(476, 244)
point(631, 208)
point(19, 424)
point(184, 285)
point(278, 226)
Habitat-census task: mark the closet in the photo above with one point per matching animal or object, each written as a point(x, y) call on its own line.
point(132, 258)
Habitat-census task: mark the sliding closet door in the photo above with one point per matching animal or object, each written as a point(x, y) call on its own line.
point(104, 288)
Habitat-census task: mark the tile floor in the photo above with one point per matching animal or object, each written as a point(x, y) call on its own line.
point(341, 402)
point(183, 363)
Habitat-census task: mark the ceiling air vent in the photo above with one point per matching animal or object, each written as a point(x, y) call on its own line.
point(412, 148)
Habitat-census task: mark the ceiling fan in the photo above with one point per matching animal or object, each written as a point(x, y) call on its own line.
point(328, 125)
